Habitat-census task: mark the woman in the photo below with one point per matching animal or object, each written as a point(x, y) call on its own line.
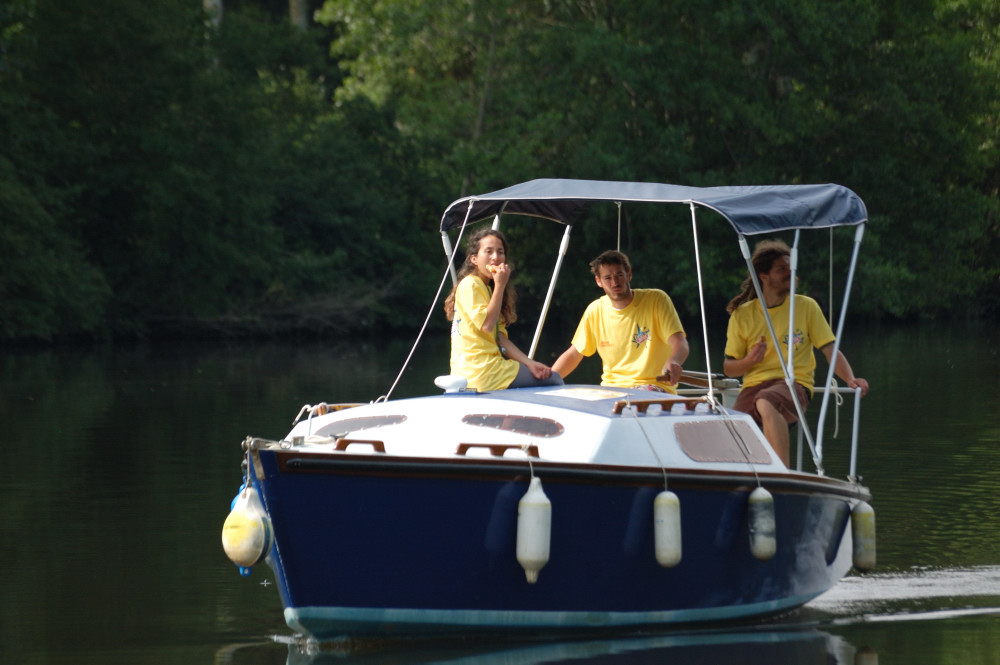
point(480, 307)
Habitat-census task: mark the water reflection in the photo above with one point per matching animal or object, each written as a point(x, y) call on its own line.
point(750, 647)
point(969, 636)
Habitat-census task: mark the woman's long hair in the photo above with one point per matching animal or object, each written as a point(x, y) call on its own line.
point(508, 309)
point(764, 255)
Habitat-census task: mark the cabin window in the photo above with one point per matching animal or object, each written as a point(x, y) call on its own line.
point(543, 427)
point(348, 425)
point(718, 441)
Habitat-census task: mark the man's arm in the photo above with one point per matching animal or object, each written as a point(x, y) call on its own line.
point(681, 349)
point(567, 362)
point(843, 369)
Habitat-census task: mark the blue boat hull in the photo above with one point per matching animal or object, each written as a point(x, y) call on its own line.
point(367, 544)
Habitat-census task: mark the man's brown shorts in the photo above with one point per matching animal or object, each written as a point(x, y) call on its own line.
point(776, 392)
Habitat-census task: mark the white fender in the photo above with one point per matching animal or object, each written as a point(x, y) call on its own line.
point(760, 516)
point(534, 530)
point(667, 529)
point(863, 535)
point(246, 533)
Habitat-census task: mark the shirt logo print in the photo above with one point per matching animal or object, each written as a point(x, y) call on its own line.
point(797, 339)
point(640, 337)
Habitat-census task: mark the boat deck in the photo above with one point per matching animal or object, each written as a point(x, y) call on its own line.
point(568, 424)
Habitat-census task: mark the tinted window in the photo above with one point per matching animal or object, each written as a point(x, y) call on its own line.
point(543, 427)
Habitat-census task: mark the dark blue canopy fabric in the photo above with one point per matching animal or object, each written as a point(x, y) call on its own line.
point(750, 209)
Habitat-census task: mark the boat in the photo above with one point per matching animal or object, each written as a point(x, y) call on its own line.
point(562, 508)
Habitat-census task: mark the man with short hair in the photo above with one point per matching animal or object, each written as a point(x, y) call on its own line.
point(636, 332)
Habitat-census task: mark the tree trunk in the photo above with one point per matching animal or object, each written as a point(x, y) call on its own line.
point(298, 13)
point(214, 10)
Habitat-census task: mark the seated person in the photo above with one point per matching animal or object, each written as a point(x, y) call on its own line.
point(636, 332)
point(765, 394)
point(480, 307)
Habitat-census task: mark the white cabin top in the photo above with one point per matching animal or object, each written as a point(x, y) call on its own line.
point(573, 424)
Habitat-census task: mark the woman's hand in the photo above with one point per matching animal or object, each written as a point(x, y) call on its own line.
point(501, 275)
point(539, 370)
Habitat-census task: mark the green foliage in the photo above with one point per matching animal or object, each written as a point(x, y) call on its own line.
point(204, 180)
point(46, 285)
point(897, 101)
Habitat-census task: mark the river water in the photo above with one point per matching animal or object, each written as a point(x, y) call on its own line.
point(120, 464)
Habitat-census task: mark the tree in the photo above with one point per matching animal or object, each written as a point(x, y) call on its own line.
point(190, 180)
point(894, 100)
point(48, 285)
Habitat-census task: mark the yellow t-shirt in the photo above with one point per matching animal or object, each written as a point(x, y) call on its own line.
point(747, 325)
point(632, 342)
point(474, 353)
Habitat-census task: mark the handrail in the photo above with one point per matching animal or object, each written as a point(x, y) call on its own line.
point(641, 405)
point(344, 443)
point(701, 380)
point(498, 449)
point(855, 426)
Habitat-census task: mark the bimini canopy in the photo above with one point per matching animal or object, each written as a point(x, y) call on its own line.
point(750, 209)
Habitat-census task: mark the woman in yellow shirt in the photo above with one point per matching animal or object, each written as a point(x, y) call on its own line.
point(480, 308)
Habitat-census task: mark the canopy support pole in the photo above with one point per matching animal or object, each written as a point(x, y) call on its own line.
point(449, 251)
point(790, 358)
point(858, 234)
point(793, 264)
point(701, 301)
point(563, 247)
point(618, 246)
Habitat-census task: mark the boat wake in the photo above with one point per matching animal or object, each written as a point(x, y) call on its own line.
point(919, 594)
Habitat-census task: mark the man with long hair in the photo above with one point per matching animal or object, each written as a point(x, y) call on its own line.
point(749, 353)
